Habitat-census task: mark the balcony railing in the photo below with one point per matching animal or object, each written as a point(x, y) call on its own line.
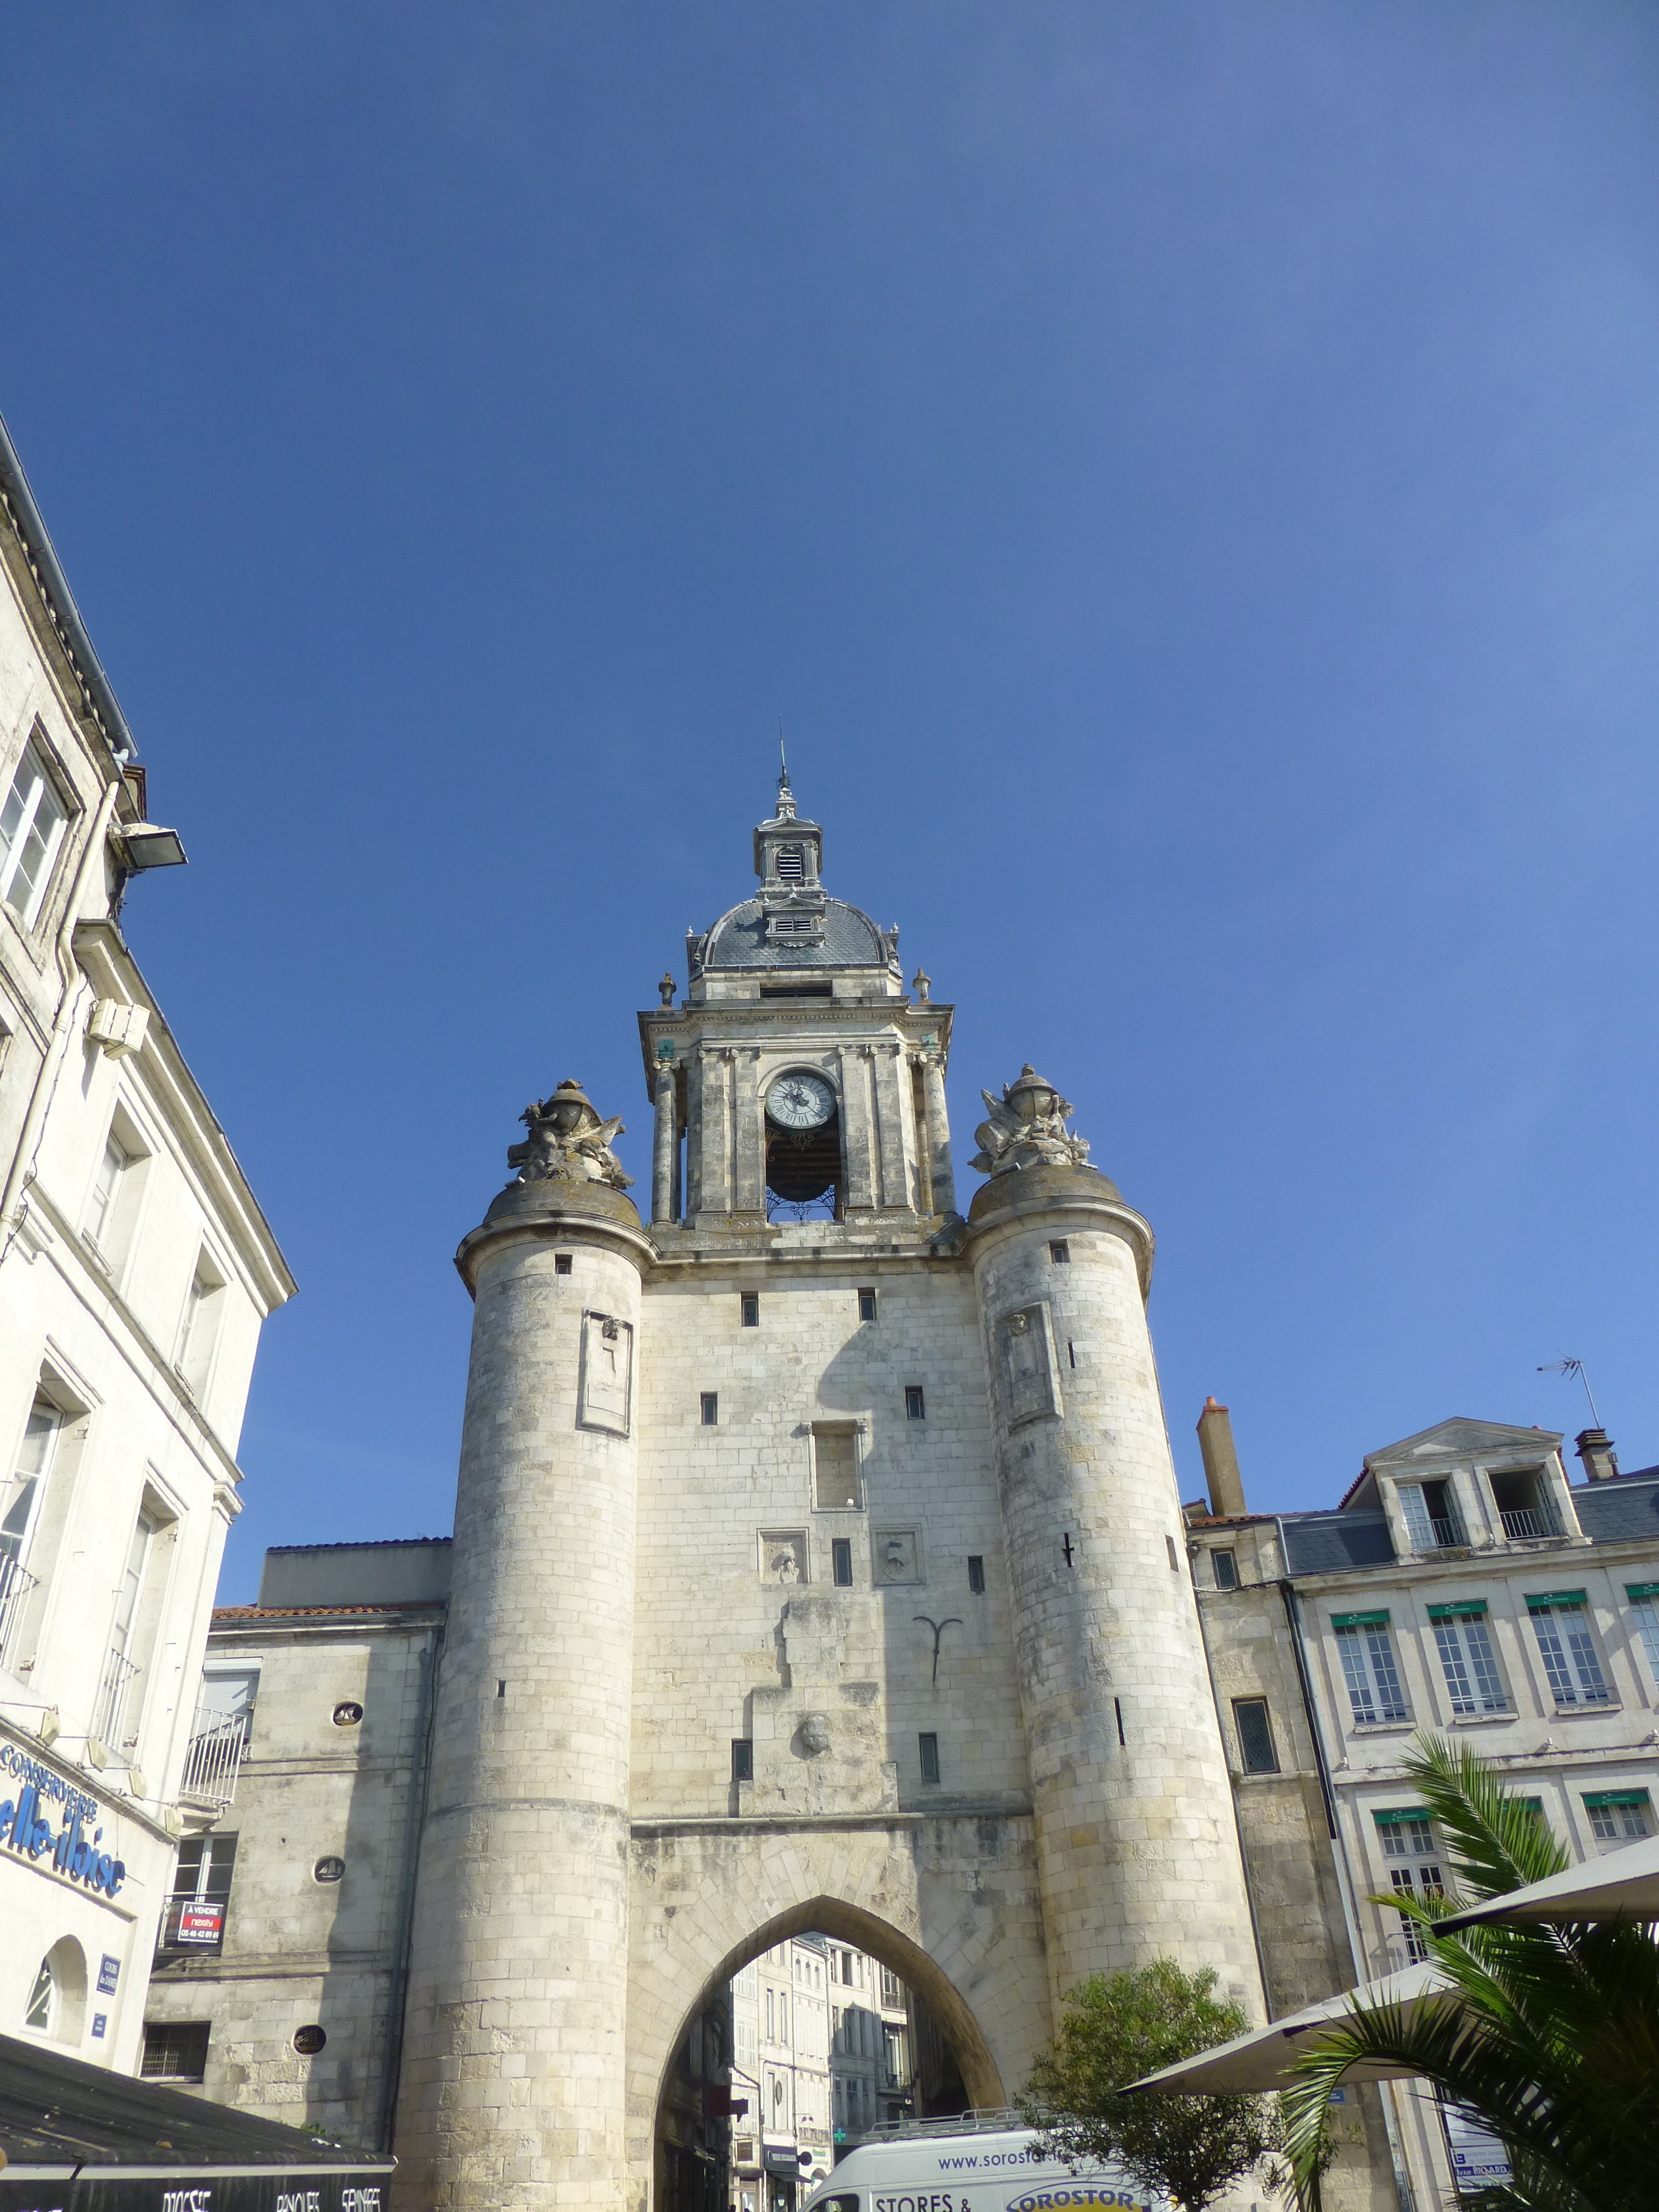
point(15, 1583)
point(118, 1671)
point(1444, 1535)
point(1524, 1521)
point(215, 1760)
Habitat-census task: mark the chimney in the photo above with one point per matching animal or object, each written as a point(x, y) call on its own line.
point(1601, 1461)
point(1215, 1441)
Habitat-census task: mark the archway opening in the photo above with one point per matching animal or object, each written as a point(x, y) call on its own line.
point(824, 2027)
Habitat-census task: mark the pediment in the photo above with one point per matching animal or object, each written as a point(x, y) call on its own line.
point(1459, 1439)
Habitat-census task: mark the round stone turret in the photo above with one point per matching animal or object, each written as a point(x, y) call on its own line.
point(1138, 1853)
point(518, 1997)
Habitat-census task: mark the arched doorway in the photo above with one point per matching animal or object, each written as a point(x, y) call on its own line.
point(824, 2025)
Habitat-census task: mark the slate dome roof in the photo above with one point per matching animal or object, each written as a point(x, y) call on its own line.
point(850, 939)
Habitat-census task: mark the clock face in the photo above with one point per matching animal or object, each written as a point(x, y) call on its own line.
point(800, 1102)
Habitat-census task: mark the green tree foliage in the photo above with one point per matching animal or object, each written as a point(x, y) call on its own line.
point(1547, 2036)
point(1114, 2029)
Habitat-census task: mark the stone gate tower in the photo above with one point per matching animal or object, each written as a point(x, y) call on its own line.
point(818, 1563)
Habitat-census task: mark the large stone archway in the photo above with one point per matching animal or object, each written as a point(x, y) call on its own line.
point(949, 1905)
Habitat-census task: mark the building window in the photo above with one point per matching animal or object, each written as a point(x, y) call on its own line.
point(37, 2014)
point(1467, 1659)
point(1523, 1505)
point(1059, 1251)
point(1255, 1736)
point(743, 1758)
point(771, 2016)
point(1368, 1667)
point(840, 1562)
point(20, 1512)
point(749, 1308)
point(194, 1922)
point(1619, 1816)
point(562, 1262)
point(867, 1305)
point(834, 1465)
point(106, 1192)
point(976, 1574)
point(175, 2050)
point(1560, 1621)
point(711, 1409)
point(1430, 1518)
point(32, 826)
point(1224, 1566)
point(1644, 1612)
point(916, 1406)
point(199, 1329)
point(1408, 1845)
point(928, 1747)
point(109, 1724)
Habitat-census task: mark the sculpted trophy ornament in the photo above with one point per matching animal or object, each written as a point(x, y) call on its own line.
point(1027, 1128)
point(568, 1142)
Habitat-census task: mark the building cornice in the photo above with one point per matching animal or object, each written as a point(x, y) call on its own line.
point(62, 631)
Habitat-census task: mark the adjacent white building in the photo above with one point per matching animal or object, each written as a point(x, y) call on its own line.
point(1465, 1589)
point(135, 1269)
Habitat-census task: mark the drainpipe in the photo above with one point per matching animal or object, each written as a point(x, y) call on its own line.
point(1402, 2185)
point(392, 2076)
point(21, 1172)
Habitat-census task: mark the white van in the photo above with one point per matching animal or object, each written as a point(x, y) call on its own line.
point(977, 2163)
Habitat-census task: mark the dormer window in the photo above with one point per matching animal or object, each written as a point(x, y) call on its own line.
point(1523, 1506)
point(1431, 1517)
point(792, 864)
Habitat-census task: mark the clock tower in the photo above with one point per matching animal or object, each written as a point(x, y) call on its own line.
point(796, 1080)
point(819, 1564)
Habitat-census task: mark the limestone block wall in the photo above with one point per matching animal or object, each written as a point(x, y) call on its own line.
point(1136, 1846)
point(298, 1952)
point(512, 2086)
point(721, 1504)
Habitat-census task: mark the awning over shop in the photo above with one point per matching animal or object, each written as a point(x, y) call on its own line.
point(77, 2138)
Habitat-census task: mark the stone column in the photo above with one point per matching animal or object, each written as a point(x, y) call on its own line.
point(713, 1137)
point(857, 1195)
point(664, 1158)
point(938, 1135)
point(892, 1153)
point(748, 1195)
point(514, 2095)
point(1138, 1855)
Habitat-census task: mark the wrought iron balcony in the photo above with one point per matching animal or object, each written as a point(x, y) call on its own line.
point(214, 1760)
point(1521, 1522)
point(118, 1671)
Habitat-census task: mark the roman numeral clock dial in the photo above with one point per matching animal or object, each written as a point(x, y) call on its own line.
point(800, 1102)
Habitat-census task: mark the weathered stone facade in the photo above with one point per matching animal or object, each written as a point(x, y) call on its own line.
point(136, 1273)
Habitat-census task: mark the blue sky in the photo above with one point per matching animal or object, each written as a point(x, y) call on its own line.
point(1185, 475)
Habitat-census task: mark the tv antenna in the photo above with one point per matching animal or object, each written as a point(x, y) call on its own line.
point(1566, 1366)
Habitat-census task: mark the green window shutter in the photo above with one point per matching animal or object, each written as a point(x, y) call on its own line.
point(1359, 1621)
point(1636, 1591)
point(1594, 1799)
point(1395, 1816)
point(1473, 1608)
point(1538, 1598)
